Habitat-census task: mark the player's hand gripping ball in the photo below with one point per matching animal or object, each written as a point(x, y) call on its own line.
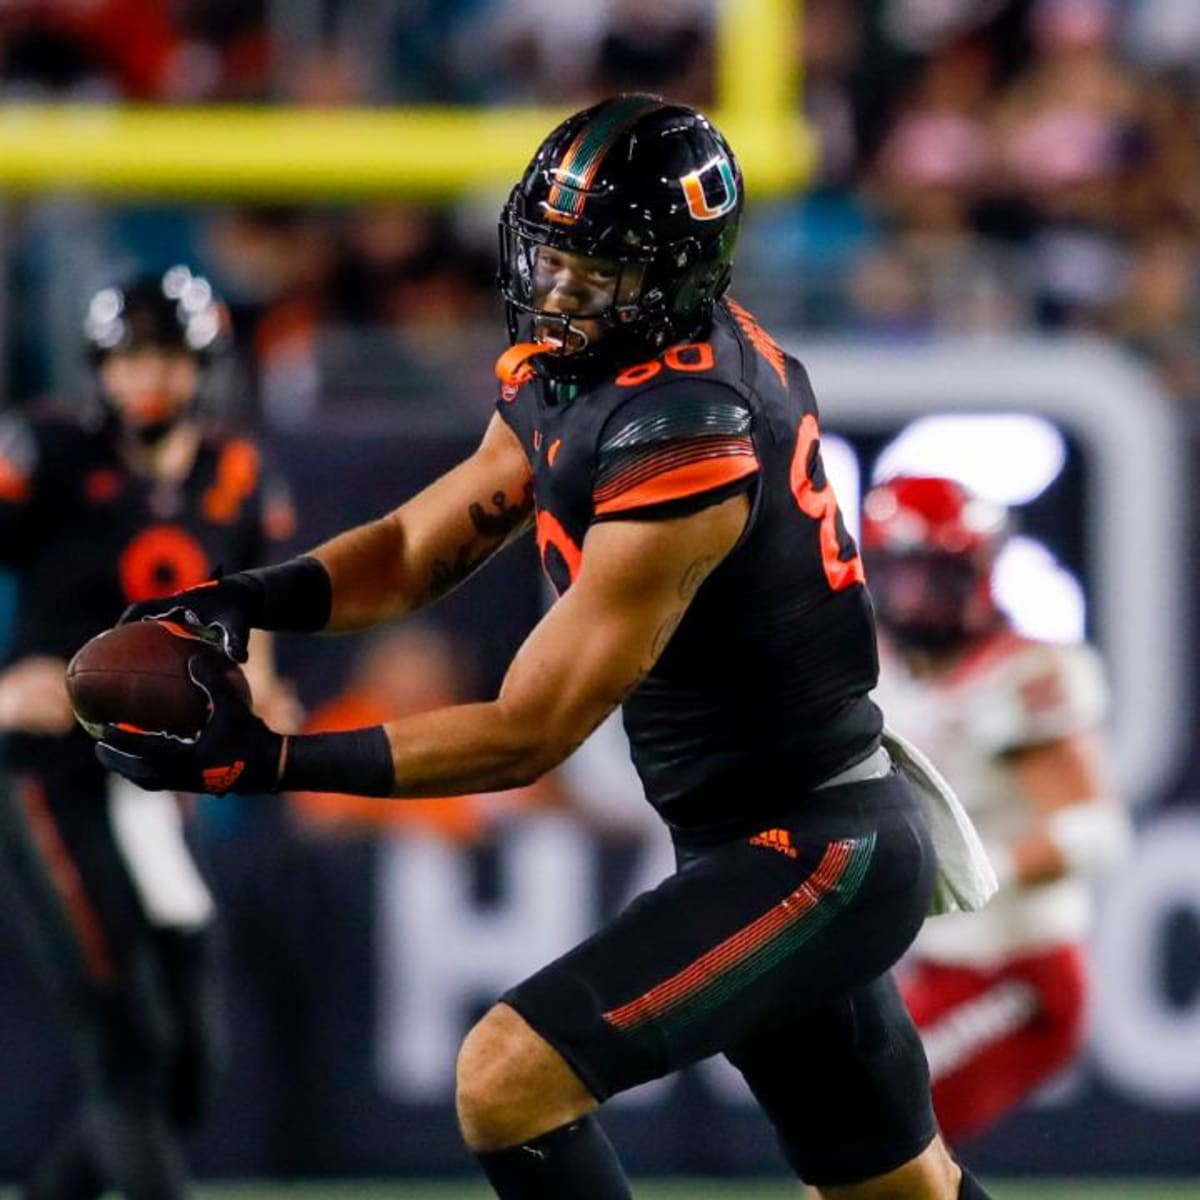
point(137, 676)
point(220, 611)
point(172, 712)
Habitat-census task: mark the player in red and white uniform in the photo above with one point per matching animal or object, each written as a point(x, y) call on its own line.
point(1015, 725)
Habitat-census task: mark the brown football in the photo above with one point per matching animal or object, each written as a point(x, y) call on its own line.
point(137, 674)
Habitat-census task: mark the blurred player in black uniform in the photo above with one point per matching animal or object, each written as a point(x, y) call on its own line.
point(666, 451)
point(132, 501)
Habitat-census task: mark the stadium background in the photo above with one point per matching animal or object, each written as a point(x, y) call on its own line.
point(977, 211)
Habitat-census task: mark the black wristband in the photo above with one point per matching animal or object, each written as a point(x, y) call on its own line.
point(357, 762)
point(293, 597)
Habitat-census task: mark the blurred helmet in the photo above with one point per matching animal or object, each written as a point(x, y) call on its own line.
point(174, 311)
point(930, 546)
point(651, 185)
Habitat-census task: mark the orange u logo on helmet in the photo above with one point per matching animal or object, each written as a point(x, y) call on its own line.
point(697, 199)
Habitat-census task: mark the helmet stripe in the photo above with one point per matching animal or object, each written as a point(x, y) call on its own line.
point(583, 157)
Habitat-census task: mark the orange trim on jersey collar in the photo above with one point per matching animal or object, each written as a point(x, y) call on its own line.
point(689, 480)
point(513, 366)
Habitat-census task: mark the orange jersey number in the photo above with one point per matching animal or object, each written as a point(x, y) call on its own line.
point(821, 504)
point(688, 357)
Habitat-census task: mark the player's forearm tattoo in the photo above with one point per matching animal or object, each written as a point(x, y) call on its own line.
point(505, 518)
point(445, 576)
point(494, 525)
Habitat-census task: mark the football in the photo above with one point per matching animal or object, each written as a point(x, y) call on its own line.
point(137, 674)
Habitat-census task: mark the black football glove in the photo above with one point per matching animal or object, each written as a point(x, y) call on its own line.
point(234, 752)
point(221, 611)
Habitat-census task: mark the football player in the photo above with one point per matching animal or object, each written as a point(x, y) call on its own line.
point(666, 453)
point(133, 500)
point(1016, 725)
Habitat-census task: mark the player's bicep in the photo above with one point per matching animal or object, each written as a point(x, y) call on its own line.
point(598, 642)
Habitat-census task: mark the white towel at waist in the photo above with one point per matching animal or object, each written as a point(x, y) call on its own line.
point(965, 878)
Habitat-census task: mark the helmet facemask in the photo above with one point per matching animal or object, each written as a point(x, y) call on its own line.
point(929, 601)
point(597, 313)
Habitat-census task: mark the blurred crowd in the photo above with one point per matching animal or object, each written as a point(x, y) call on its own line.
point(351, 51)
point(994, 166)
point(985, 166)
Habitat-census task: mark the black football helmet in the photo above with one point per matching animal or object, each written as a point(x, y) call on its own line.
point(651, 185)
point(174, 311)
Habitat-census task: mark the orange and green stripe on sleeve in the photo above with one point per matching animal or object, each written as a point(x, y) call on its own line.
point(655, 474)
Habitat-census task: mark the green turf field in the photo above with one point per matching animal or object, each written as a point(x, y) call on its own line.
point(1001, 1189)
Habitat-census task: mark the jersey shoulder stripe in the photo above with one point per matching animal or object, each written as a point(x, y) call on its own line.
point(663, 446)
point(679, 483)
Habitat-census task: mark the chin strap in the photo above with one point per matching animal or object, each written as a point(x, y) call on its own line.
point(514, 368)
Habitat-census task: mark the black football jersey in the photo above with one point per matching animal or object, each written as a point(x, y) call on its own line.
point(763, 689)
point(86, 536)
